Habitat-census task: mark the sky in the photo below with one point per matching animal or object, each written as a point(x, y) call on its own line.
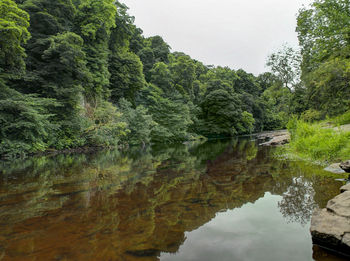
point(234, 33)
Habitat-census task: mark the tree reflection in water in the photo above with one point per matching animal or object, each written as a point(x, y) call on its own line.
point(298, 204)
point(112, 205)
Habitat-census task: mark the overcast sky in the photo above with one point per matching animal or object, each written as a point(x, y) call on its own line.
point(234, 33)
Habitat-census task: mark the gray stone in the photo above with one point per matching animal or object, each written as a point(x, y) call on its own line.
point(340, 205)
point(345, 166)
point(345, 188)
point(335, 168)
point(330, 227)
point(277, 140)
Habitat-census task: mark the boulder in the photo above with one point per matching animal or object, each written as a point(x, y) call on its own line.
point(330, 227)
point(277, 140)
point(335, 168)
point(345, 188)
point(345, 166)
point(340, 205)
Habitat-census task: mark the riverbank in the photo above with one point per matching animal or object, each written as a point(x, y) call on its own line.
point(324, 144)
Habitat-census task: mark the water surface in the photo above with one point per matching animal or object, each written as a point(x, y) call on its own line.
point(222, 200)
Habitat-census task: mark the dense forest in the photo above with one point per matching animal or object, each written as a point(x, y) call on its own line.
point(77, 73)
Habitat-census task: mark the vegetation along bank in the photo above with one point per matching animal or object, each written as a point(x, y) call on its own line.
point(69, 80)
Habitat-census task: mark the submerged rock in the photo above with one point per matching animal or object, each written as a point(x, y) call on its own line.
point(345, 166)
point(330, 227)
point(335, 168)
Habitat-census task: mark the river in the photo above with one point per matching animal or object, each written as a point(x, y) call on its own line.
point(221, 200)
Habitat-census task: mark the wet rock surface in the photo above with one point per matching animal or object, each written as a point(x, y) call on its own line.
point(335, 168)
point(274, 138)
point(330, 227)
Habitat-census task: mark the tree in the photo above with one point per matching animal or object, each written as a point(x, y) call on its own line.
point(161, 77)
point(140, 123)
point(126, 76)
point(323, 31)
point(183, 71)
point(170, 113)
point(324, 37)
point(221, 108)
point(155, 50)
point(160, 48)
point(14, 24)
point(285, 64)
point(25, 123)
point(93, 22)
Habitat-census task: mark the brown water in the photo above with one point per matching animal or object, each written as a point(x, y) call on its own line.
point(222, 200)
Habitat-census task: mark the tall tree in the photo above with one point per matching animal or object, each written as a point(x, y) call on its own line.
point(24, 119)
point(14, 23)
point(324, 37)
point(94, 22)
point(285, 64)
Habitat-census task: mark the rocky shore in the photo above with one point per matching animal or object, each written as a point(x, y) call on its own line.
point(330, 227)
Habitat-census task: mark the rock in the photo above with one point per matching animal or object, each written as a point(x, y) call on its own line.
point(345, 166)
point(331, 231)
point(345, 188)
point(330, 227)
point(340, 205)
point(335, 168)
point(277, 140)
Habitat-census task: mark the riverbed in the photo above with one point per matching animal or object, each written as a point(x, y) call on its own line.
point(221, 200)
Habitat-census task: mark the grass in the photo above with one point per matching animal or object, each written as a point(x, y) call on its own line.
point(313, 142)
point(342, 119)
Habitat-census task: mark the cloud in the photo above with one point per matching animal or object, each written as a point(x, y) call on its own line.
point(234, 33)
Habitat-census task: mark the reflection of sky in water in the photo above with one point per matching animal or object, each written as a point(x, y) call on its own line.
point(253, 232)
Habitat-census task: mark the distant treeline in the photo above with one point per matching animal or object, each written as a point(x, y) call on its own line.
point(79, 73)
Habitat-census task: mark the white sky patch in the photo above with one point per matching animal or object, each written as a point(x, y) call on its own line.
point(234, 33)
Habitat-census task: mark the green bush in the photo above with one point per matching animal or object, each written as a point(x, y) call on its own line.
point(314, 142)
point(312, 115)
point(25, 123)
point(342, 119)
point(140, 123)
point(107, 127)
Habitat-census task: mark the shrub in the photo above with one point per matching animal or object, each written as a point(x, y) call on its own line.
point(312, 115)
point(342, 119)
point(317, 143)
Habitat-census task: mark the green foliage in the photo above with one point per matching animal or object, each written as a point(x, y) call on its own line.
point(89, 17)
point(183, 75)
point(171, 115)
point(342, 119)
point(314, 142)
point(140, 123)
point(94, 22)
point(329, 86)
point(285, 64)
point(161, 77)
point(160, 48)
point(312, 115)
point(126, 76)
point(91, 78)
point(221, 110)
point(247, 122)
point(25, 123)
point(154, 50)
point(323, 32)
point(106, 127)
point(14, 24)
